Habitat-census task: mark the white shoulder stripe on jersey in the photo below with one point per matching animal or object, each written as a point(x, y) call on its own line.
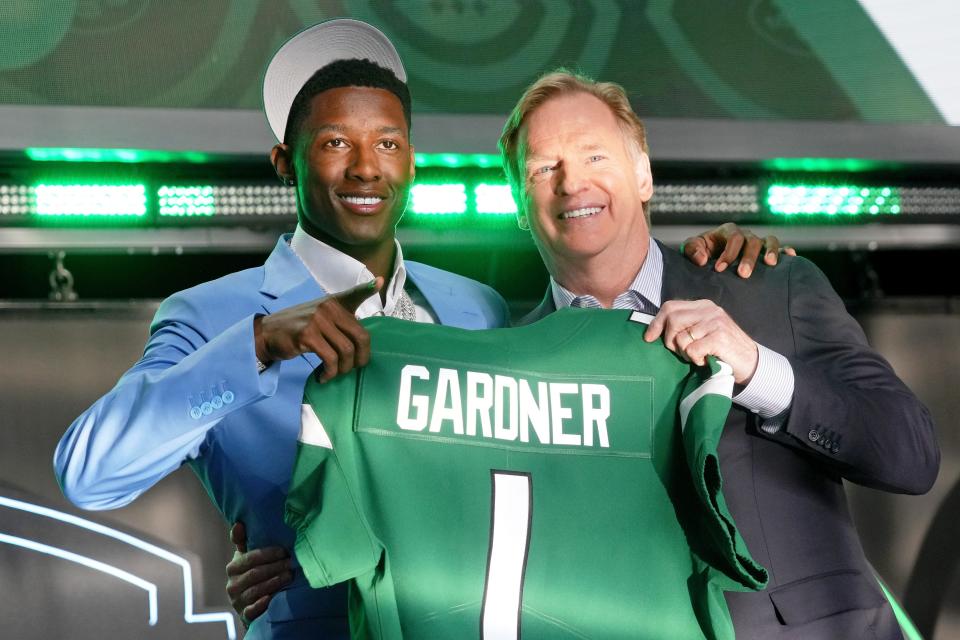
point(640, 317)
point(311, 429)
point(720, 383)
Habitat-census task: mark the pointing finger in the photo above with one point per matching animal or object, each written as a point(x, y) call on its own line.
point(352, 298)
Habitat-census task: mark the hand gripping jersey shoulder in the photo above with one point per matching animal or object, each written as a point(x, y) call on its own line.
point(553, 481)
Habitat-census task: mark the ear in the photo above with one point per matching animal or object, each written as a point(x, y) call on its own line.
point(644, 177)
point(413, 163)
point(281, 157)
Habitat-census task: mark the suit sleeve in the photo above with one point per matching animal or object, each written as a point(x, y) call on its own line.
point(849, 407)
point(159, 413)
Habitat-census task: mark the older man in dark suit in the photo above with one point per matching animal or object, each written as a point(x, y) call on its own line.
point(815, 405)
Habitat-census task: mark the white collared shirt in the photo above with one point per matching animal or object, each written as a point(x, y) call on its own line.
point(335, 271)
point(769, 393)
point(644, 292)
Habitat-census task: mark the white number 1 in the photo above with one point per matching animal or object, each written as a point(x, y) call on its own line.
point(510, 516)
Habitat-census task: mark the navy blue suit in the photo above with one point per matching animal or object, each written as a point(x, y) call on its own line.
point(851, 418)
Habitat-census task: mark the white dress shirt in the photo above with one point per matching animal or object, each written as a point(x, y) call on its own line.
point(335, 271)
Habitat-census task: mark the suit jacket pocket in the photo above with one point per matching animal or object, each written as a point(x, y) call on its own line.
point(824, 595)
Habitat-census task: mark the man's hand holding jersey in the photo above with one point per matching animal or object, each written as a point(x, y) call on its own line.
point(695, 329)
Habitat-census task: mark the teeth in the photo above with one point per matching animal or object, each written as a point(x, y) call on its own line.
point(359, 200)
point(580, 213)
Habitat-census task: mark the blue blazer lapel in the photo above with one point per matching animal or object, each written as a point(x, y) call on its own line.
point(451, 306)
point(286, 282)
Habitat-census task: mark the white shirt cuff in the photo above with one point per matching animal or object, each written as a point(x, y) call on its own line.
point(769, 393)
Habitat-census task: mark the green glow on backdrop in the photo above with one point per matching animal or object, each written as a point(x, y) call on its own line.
point(831, 165)
point(458, 160)
point(74, 154)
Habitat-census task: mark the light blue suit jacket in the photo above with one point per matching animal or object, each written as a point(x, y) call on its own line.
point(195, 397)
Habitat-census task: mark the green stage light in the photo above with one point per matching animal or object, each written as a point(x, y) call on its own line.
point(90, 200)
point(813, 200)
point(76, 154)
point(185, 201)
point(494, 199)
point(825, 165)
point(458, 160)
point(439, 199)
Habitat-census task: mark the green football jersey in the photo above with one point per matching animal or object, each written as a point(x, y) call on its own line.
point(558, 480)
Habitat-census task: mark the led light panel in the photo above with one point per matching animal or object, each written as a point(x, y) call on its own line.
point(705, 198)
point(226, 200)
point(90, 200)
point(494, 199)
point(438, 199)
point(847, 200)
point(16, 200)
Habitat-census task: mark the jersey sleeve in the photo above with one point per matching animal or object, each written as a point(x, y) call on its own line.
point(703, 411)
point(333, 541)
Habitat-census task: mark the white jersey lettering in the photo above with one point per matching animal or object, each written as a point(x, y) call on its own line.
point(503, 407)
point(420, 402)
point(447, 405)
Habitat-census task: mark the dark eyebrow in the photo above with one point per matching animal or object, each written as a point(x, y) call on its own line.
point(326, 128)
point(339, 128)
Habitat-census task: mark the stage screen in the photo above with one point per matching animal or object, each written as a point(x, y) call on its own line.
point(872, 61)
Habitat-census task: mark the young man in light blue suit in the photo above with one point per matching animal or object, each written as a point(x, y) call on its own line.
point(220, 383)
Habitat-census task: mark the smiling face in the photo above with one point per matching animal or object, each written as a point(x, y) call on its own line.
point(583, 187)
point(353, 165)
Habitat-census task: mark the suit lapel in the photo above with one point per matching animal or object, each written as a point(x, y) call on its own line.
point(439, 295)
point(541, 311)
point(683, 280)
point(451, 306)
point(286, 282)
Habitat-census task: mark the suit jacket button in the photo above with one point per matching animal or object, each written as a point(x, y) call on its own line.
point(835, 449)
point(195, 413)
point(227, 396)
point(207, 408)
point(216, 401)
point(813, 435)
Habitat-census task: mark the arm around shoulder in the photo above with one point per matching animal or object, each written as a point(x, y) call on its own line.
point(849, 406)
